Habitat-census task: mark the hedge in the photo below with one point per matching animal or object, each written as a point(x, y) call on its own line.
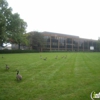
point(17, 51)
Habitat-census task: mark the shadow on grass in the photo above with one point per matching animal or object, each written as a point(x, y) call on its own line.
point(18, 81)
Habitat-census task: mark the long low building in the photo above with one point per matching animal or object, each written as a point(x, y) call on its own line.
point(64, 42)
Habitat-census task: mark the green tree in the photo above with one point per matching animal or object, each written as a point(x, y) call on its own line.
point(12, 27)
point(36, 40)
point(17, 29)
point(5, 15)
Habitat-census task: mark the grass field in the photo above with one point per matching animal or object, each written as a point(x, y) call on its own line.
point(69, 78)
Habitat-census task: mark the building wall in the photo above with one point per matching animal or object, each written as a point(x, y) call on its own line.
point(62, 42)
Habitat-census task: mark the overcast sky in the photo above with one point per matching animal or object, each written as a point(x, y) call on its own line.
point(73, 17)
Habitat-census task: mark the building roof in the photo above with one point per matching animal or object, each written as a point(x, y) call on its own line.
point(63, 35)
point(66, 35)
point(59, 34)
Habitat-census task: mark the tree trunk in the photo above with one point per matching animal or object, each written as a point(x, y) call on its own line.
point(41, 50)
point(19, 45)
point(1, 44)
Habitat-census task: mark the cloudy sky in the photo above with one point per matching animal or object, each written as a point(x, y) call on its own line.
point(73, 17)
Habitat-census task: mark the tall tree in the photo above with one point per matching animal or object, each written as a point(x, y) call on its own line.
point(37, 41)
point(17, 29)
point(12, 27)
point(5, 14)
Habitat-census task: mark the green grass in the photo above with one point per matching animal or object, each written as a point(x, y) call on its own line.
point(71, 78)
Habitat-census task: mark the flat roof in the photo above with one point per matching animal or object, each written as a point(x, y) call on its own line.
point(60, 34)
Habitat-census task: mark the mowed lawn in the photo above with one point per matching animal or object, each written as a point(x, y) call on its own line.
point(72, 76)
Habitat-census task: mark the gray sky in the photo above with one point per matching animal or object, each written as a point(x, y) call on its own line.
point(73, 17)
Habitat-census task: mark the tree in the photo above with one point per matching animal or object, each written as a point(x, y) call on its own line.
point(5, 14)
point(12, 27)
point(36, 40)
point(17, 29)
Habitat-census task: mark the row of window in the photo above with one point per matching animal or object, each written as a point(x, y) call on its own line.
point(69, 41)
point(74, 44)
